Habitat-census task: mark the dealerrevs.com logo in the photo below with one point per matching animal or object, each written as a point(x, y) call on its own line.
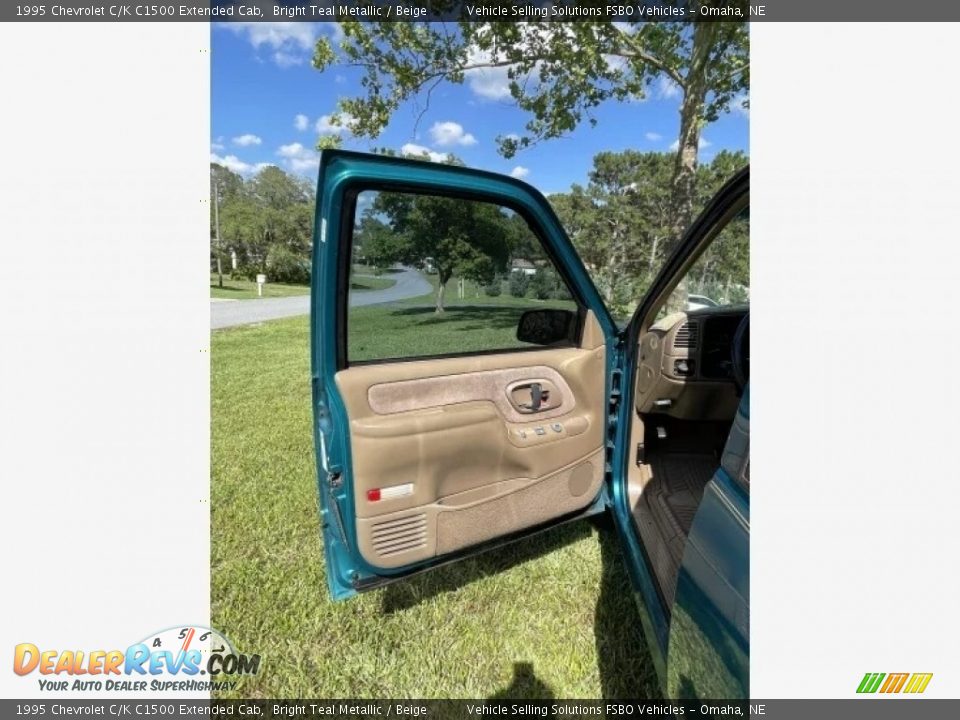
point(181, 659)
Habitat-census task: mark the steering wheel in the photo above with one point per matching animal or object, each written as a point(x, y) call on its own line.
point(741, 354)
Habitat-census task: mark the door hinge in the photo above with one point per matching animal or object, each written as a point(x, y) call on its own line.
point(613, 411)
point(613, 402)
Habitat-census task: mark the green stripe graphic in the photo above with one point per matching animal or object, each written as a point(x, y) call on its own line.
point(871, 682)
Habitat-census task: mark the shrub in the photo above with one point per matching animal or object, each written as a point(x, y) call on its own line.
point(493, 289)
point(244, 271)
point(543, 284)
point(519, 282)
point(284, 265)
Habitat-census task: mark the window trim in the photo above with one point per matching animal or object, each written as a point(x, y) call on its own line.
point(348, 209)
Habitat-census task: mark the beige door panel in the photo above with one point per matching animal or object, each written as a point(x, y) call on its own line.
point(455, 458)
point(400, 538)
point(504, 388)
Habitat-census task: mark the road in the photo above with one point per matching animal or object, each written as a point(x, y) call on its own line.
point(408, 283)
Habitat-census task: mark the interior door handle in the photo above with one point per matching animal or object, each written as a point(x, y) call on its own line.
point(536, 397)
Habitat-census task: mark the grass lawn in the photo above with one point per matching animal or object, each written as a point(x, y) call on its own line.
point(550, 617)
point(247, 290)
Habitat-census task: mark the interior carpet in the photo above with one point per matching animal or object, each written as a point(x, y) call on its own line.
point(664, 513)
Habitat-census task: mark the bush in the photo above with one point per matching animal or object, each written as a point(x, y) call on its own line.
point(543, 284)
point(519, 282)
point(244, 271)
point(561, 292)
point(493, 289)
point(285, 266)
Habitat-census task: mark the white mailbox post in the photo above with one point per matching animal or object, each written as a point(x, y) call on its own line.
point(261, 279)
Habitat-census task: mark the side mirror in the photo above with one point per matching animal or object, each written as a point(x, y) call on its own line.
point(547, 327)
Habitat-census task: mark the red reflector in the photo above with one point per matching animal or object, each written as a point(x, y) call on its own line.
point(373, 495)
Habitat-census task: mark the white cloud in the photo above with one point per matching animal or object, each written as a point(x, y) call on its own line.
point(451, 133)
point(305, 165)
point(299, 159)
point(292, 150)
point(291, 43)
point(326, 124)
point(216, 146)
point(519, 172)
point(493, 83)
point(232, 162)
point(667, 89)
point(615, 62)
point(301, 122)
point(285, 59)
point(653, 136)
point(419, 150)
point(247, 140)
point(703, 143)
point(489, 83)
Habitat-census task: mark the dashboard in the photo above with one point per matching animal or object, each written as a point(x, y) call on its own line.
point(686, 365)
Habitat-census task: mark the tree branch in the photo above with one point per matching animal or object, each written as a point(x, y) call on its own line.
point(637, 51)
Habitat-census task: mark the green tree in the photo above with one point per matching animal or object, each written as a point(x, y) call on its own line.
point(258, 216)
point(558, 72)
point(543, 283)
point(723, 271)
point(273, 188)
point(229, 183)
point(470, 239)
point(377, 244)
point(225, 186)
point(621, 222)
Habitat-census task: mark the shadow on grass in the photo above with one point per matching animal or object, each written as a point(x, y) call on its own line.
point(625, 666)
point(229, 288)
point(487, 317)
point(362, 287)
point(525, 685)
point(403, 595)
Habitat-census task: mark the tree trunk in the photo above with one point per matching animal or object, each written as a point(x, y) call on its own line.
point(613, 267)
point(691, 123)
point(652, 266)
point(442, 278)
point(684, 179)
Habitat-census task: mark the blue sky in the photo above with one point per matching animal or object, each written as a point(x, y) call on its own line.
point(269, 106)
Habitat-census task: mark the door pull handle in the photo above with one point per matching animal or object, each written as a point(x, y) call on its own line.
point(536, 397)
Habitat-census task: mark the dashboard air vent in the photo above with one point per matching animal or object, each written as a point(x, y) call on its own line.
point(687, 336)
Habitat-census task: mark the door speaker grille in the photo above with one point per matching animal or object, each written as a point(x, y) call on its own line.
point(396, 536)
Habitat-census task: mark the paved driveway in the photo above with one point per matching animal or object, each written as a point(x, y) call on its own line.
point(408, 283)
